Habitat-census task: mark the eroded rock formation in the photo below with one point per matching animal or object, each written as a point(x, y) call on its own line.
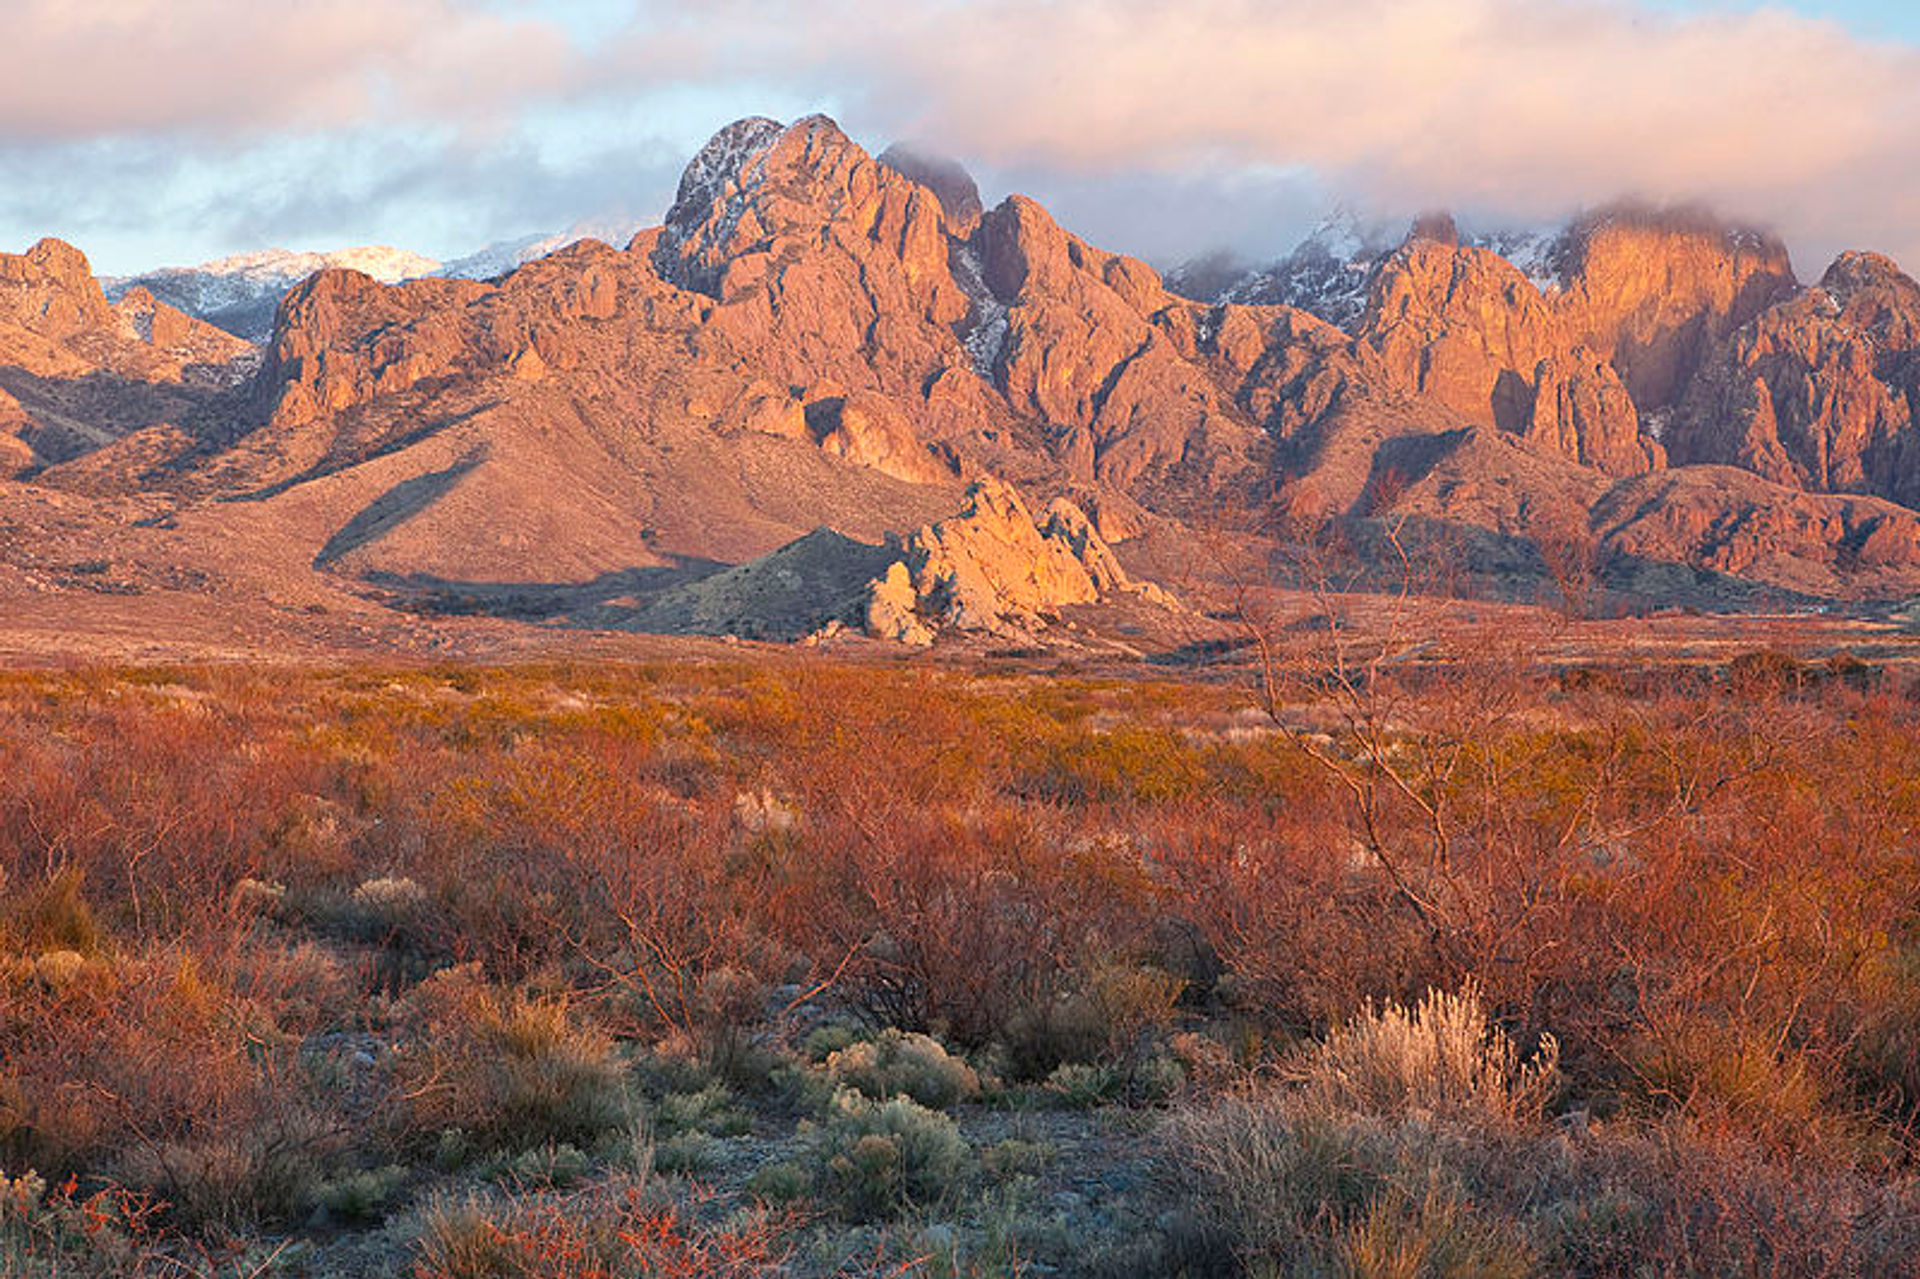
point(993, 569)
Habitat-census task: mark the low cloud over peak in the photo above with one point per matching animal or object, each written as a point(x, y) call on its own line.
point(1515, 109)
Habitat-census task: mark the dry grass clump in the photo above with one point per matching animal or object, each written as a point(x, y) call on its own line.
point(615, 1229)
point(1413, 1142)
point(513, 1070)
point(1442, 1057)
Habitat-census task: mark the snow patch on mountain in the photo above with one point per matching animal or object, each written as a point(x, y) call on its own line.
point(503, 256)
point(240, 293)
point(1330, 273)
point(715, 192)
point(1327, 275)
point(1540, 254)
point(987, 325)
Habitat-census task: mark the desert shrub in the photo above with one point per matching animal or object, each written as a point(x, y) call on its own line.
point(158, 1073)
point(365, 1194)
point(823, 1042)
point(1296, 1188)
point(1436, 1233)
point(1263, 1174)
point(556, 1167)
point(686, 1154)
point(1081, 1087)
point(1013, 1157)
point(900, 1063)
point(1111, 1016)
point(1722, 1074)
point(392, 909)
point(1440, 1057)
point(514, 1070)
point(871, 1159)
point(781, 1181)
point(55, 1231)
point(52, 915)
point(965, 923)
point(1126, 762)
point(265, 1173)
point(1039, 1040)
point(711, 1110)
point(613, 1230)
point(1157, 1078)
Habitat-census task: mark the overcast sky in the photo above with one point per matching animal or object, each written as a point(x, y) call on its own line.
point(154, 132)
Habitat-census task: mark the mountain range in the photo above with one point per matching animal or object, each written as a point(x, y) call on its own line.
point(240, 294)
point(816, 337)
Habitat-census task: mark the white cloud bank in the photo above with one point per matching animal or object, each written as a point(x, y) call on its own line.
point(1518, 108)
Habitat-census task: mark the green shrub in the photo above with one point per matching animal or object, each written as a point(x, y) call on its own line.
point(711, 1111)
point(686, 1154)
point(556, 1167)
point(873, 1159)
point(1158, 1078)
point(364, 1195)
point(1042, 1038)
point(903, 1064)
point(1015, 1158)
point(1083, 1087)
point(824, 1041)
point(781, 1181)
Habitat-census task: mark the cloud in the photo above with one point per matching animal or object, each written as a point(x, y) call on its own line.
point(79, 69)
point(1528, 108)
point(1515, 110)
point(437, 192)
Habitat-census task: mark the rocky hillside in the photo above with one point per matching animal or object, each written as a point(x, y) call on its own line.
point(78, 373)
point(816, 337)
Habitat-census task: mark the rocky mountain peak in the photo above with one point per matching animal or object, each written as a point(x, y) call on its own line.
point(942, 175)
point(1653, 289)
point(59, 260)
point(1872, 279)
point(757, 184)
point(50, 290)
point(1436, 226)
point(718, 165)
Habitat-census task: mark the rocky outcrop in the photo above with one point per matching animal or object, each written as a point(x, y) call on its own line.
point(870, 430)
point(80, 374)
point(1652, 291)
point(1819, 391)
point(342, 338)
point(50, 290)
point(1462, 326)
point(1084, 352)
point(993, 569)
